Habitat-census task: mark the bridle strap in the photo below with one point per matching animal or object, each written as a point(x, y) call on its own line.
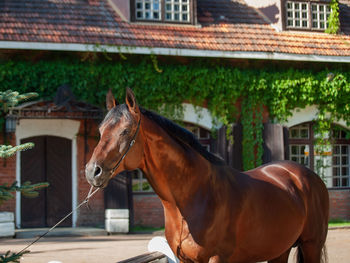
point(132, 142)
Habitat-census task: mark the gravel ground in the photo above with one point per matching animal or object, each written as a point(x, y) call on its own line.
point(119, 247)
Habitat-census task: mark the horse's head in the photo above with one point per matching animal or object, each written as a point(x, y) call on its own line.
point(120, 145)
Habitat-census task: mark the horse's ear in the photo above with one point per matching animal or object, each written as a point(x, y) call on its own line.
point(131, 101)
point(110, 100)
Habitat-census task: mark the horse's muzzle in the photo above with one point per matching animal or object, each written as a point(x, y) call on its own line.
point(96, 176)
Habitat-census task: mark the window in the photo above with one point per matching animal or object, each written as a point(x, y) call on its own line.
point(140, 183)
point(178, 11)
point(307, 15)
point(299, 147)
point(331, 164)
point(148, 9)
point(202, 135)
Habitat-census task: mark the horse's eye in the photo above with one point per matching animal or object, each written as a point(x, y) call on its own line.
point(125, 132)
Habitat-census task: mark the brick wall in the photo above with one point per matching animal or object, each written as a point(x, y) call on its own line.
point(339, 203)
point(148, 210)
point(85, 147)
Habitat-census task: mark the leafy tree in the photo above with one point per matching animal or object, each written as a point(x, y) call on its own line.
point(9, 99)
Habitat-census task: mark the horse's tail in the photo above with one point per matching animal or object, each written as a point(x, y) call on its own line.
point(300, 255)
point(324, 255)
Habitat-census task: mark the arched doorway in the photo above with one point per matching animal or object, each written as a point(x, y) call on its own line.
point(49, 161)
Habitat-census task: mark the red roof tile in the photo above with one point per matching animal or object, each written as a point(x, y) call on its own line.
point(226, 25)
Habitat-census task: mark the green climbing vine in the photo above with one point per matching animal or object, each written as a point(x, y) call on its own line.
point(252, 122)
point(164, 85)
point(333, 19)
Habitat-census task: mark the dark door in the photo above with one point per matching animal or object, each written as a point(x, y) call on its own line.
point(49, 161)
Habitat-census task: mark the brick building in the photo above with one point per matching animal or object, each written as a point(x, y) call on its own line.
point(271, 32)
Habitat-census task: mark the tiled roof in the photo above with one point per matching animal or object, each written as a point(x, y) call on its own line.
point(225, 25)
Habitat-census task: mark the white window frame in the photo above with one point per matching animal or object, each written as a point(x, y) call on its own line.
point(140, 8)
point(341, 166)
point(179, 14)
point(168, 11)
point(335, 163)
point(307, 15)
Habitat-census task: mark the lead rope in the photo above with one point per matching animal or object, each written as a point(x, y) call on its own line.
point(86, 200)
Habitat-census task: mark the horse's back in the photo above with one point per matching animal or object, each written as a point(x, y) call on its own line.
point(286, 174)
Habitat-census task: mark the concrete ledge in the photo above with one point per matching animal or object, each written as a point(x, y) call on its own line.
point(6, 217)
point(117, 213)
point(7, 229)
point(60, 232)
point(117, 225)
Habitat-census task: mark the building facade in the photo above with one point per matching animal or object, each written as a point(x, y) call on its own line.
point(243, 34)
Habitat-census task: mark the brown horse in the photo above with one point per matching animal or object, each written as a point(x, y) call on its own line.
point(213, 213)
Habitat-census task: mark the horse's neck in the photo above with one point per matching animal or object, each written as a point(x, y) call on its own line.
point(175, 171)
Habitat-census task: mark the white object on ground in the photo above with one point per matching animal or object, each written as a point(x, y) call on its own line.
point(160, 244)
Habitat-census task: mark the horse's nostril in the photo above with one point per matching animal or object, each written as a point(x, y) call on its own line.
point(98, 171)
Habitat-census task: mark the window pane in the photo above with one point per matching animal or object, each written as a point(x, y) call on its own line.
point(340, 165)
point(336, 149)
point(320, 15)
point(295, 150)
point(344, 171)
point(299, 132)
point(148, 9)
point(304, 133)
point(294, 133)
point(336, 171)
point(336, 160)
point(336, 182)
point(177, 10)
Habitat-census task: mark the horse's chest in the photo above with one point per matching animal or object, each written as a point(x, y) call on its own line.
point(187, 250)
point(183, 244)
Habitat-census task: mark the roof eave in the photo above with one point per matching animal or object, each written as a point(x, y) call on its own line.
point(171, 51)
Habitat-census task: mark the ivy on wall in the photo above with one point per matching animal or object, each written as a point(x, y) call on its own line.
point(333, 19)
point(165, 86)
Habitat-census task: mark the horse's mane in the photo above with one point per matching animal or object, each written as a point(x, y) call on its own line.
point(182, 136)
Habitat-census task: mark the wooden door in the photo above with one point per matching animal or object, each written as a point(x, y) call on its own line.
point(49, 161)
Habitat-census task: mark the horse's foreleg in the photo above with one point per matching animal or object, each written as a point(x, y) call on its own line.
point(282, 258)
point(313, 253)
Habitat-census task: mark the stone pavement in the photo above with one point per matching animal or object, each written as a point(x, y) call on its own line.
point(80, 246)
